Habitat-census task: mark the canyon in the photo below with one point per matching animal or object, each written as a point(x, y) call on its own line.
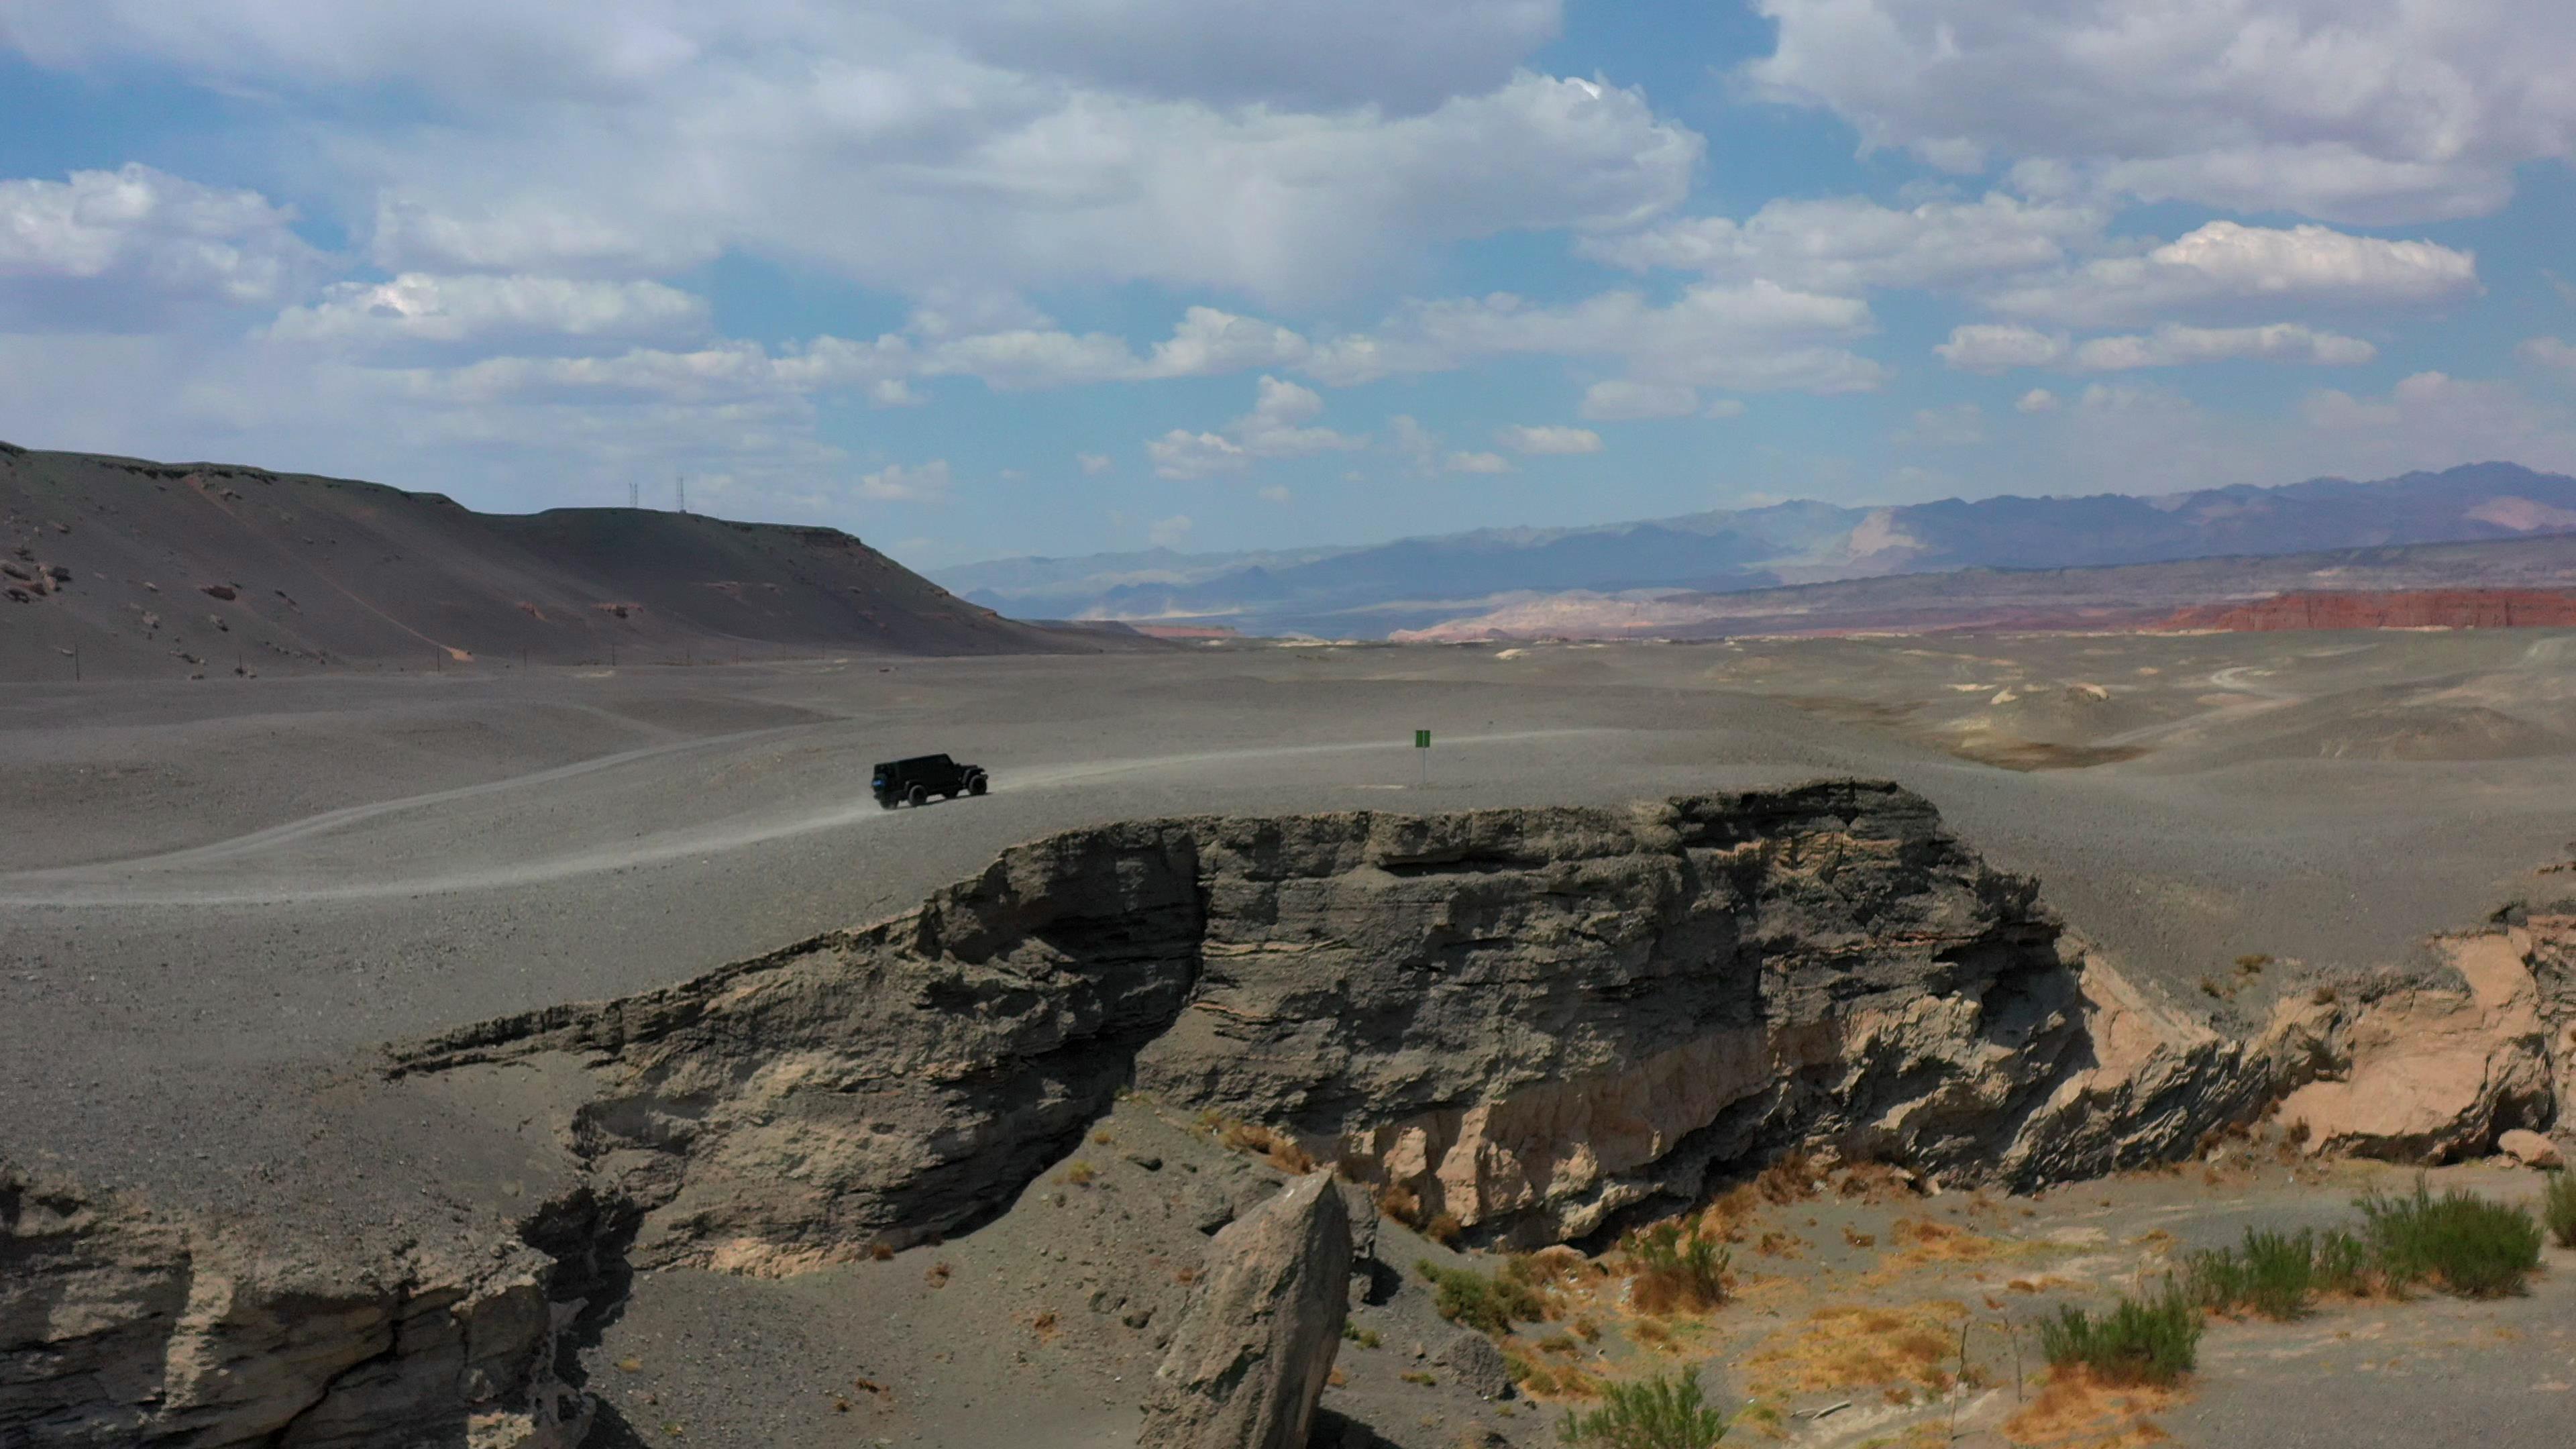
point(1539, 1024)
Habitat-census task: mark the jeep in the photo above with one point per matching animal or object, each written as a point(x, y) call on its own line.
point(914, 781)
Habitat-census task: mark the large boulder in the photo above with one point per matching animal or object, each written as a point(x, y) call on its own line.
point(2435, 1074)
point(1257, 1339)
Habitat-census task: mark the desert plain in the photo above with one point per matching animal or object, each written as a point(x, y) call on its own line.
point(220, 899)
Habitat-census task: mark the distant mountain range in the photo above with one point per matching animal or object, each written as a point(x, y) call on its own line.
point(1420, 583)
point(119, 567)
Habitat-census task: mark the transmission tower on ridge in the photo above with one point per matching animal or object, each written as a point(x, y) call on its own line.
point(634, 494)
point(680, 486)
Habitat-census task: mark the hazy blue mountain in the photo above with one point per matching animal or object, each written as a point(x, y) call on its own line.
point(1368, 591)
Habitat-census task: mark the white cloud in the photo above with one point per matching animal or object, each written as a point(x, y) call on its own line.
point(1956, 426)
point(418, 308)
point(2174, 346)
point(1093, 464)
point(2548, 352)
point(1849, 244)
point(2374, 113)
point(1031, 354)
point(1752, 338)
point(1406, 55)
point(1274, 495)
point(2227, 265)
point(2037, 400)
point(927, 483)
point(1424, 451)
point(1277, 427)
point(1725, 407)
point(1997, 346)
point(1170, 532)
point(1549, 439)
point(1044, 187)
point(107, 248)
point(1619, 400)
point(2433, 420)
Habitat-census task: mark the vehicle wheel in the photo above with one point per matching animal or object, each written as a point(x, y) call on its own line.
point(917, 797)
point(885, 804)
point(975, 786)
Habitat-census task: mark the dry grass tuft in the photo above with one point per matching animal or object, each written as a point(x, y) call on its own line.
point(2073, 1410)
point(1794, 1178)
point(1274, 1147)
point(1845, 1349)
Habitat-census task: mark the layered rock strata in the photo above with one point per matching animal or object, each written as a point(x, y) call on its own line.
point(1525, 1019)
point(121, 1326)
point(1531, 1021)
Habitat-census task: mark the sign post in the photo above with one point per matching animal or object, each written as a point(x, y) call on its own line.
point(1422, 752)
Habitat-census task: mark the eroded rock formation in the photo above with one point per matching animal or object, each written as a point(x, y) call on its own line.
point(122, 1326)
point(1527, 1019)
point(1531, 1021)
point(2385, 609)
point(1263, 1324)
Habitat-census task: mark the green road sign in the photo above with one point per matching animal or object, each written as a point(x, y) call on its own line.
point(1422, 739)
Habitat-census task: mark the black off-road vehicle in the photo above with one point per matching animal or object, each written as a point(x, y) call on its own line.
point(914, 781)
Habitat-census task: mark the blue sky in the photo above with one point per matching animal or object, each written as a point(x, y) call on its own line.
point(984, 277)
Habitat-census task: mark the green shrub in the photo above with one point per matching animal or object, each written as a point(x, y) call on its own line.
point(1489, 1304)
point(2558, 1208)
point(2276, 1274)
point(1658, 1413)
point(1672, 1267)
point(2474, 1247)
point(2342, 1263)
point(2135, 1343)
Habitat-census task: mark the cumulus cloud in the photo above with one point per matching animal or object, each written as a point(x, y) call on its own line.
point(419, 308)
point(1279, 426)
point(2174, 346)
point(1751, 338)
point(1427, 454)
point(1997, 346)
point(1092, 464)
point(2037, 400)
point(2548, 352)
point(2226, 265)
point(1846, 244)
point(1320, 54)
point(1618, 400)
point(1408, 54)
point(2432, 420)
point(121, 248)
point(1169, 532)
point(927, 483)
point(2372, 113)
point(1549, 439)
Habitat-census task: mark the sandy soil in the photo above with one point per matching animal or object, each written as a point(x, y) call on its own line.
point(216, 896)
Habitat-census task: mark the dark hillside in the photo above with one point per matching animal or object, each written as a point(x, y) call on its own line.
point(152, 569)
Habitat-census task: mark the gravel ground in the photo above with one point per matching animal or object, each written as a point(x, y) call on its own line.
point(214, 897)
